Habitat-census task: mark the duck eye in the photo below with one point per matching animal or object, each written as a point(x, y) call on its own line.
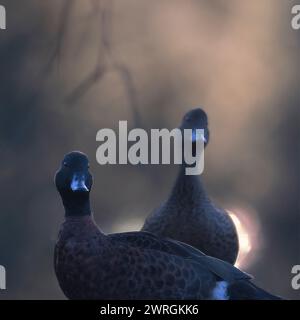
point(65, 164)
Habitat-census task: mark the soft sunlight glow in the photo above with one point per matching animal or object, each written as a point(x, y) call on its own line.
point(244, 239)
point(133, 224)
point(247, 229)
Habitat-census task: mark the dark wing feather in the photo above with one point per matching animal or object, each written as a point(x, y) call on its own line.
point(147, 240)
point(223, 269)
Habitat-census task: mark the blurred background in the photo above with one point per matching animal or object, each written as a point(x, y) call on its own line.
point(71, 67)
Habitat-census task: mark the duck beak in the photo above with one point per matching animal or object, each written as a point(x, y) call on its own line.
point(78, 183)
point(196, 135)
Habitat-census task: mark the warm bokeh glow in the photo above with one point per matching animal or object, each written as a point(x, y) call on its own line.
point(244, 239)
point(133, 224)
point(247, 228)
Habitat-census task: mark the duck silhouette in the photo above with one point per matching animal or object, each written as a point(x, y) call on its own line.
point(188, 215)
point(134, 265)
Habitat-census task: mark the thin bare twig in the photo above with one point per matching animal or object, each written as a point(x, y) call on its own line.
point(106, 61)
point(85, 85)
point(62, 30)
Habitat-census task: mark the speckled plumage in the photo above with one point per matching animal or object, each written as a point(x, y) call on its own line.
point(139, 265)
point(190, 216)
point(91, 265)
point(134, 265)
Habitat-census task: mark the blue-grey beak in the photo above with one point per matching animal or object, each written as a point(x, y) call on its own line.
point(196, 135)
point(78, 182)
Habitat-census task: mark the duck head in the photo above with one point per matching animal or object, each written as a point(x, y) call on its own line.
point(74, 182)
point(196, 119)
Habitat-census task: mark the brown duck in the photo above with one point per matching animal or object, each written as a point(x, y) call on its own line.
point(136, 265)
point(188, 215)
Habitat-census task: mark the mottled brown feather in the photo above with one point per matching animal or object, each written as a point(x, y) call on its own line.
point(136, 265)
point(191, 217)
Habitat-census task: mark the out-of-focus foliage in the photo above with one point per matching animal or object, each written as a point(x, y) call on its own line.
point(72, 67)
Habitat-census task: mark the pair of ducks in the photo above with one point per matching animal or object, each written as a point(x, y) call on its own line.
point(149, 264)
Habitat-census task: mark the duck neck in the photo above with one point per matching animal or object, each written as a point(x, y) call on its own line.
point(82, 227)
point(77, 207)
point(188, 188)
